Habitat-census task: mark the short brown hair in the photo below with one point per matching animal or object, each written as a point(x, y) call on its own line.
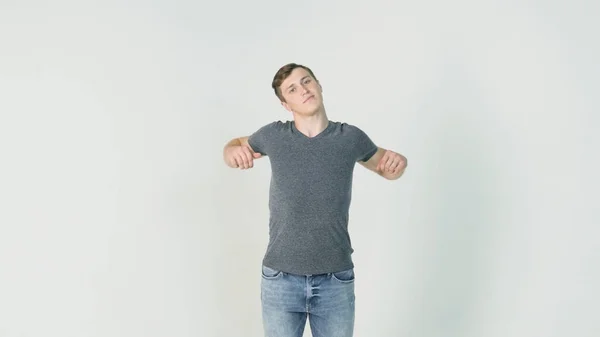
point(283, 73)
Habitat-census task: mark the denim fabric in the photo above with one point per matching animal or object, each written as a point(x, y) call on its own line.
point(327, 301)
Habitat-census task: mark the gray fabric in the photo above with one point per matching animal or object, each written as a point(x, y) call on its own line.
point(310, 193)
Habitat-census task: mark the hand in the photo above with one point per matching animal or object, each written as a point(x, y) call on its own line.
point(241, 157)
point(391, 163)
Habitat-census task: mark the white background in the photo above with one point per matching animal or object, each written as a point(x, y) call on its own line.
point(119, 218)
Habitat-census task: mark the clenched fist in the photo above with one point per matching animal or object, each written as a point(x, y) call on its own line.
point(391, 163)
point(240, 156)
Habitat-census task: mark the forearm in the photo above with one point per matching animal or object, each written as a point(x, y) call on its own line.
point(233, 142)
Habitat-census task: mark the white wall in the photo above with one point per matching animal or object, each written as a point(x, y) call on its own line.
point(119, 217)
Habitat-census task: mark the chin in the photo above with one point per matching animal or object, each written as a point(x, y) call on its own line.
point(311, 112)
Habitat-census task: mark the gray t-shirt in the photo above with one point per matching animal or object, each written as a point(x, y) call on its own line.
point(310, 192)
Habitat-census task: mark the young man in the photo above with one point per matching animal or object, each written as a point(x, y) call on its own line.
point(307, 271)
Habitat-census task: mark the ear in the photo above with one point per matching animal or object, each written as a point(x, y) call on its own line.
point(286, 106)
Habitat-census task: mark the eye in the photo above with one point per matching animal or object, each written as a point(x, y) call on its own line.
point(307, 81)
point(292, 90)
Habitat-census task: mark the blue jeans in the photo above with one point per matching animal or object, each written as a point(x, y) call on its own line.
point(327, 300)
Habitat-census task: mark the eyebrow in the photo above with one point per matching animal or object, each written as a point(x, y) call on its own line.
point(302, 79)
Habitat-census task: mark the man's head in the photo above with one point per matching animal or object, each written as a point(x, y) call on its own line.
point(298, 89)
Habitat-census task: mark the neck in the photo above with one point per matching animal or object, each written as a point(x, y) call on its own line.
point(311, 125)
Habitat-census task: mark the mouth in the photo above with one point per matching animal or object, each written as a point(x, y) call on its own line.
point(309, 98)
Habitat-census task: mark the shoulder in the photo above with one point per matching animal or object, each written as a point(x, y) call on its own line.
point(275, 126)
point(262, 139)
point(348, 129)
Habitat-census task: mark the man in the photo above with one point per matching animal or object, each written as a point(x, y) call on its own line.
point(307, 270)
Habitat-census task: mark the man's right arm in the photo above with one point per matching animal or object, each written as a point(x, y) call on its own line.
point(238, 153)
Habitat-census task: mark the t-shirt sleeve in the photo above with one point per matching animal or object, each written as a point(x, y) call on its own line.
point(364, 147)
point(259, 140)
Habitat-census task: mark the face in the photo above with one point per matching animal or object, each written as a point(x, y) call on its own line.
point(302, 93)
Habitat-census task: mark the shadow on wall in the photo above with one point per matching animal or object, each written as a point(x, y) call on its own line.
point(452, 215)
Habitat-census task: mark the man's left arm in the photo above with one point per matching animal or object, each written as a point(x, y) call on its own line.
point(386, 163)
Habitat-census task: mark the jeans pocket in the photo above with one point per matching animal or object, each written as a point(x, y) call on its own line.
point(345, 276)
point(270, 273)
